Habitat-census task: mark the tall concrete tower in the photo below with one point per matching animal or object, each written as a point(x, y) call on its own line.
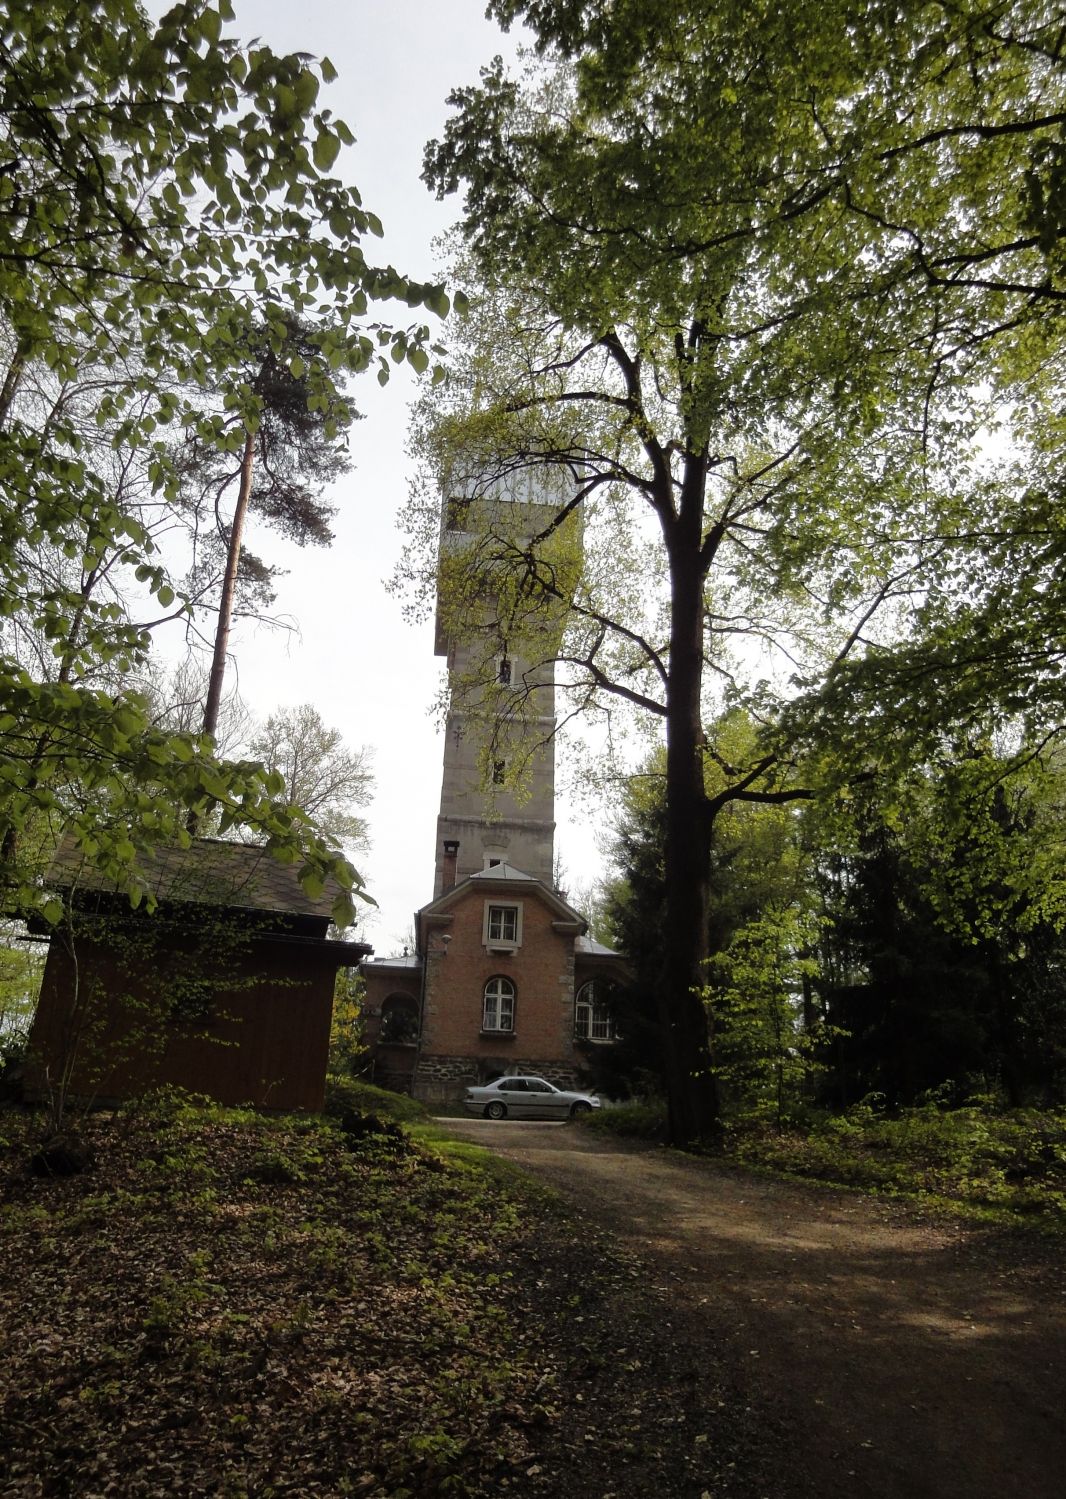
point(500, 636)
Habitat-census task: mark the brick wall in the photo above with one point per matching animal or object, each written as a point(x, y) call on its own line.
point(383, 983)
point(541, 969)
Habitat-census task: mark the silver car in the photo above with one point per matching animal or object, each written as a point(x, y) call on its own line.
point(527, 1098)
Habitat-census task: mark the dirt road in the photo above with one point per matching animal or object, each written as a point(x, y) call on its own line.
point(911, 1359)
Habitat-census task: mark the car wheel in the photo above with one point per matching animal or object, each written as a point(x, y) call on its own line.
point(495, 1110)
point(580, 1108)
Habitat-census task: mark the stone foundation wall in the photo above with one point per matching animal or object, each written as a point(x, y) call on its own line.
point(441, 1079)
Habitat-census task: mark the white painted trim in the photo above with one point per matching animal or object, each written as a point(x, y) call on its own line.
point(500, 944)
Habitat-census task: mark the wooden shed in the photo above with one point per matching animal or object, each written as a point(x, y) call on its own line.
point(225, 989)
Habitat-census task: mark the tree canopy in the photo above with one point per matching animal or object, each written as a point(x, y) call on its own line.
point(771, 274)
point(323, 777)
point(900, 943)
point(167, 204)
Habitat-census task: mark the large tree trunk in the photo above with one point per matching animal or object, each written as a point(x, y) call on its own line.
point(692, 1089)
point(229, 589)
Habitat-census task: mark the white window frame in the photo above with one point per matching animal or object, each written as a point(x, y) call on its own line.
point(501, 995)
point(586, 1001)
point(501, 943)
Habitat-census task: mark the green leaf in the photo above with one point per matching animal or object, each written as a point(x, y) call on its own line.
point(306, 89)
point(343, 911)
point(326, 149)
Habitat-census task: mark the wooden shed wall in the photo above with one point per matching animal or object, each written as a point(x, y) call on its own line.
point(107, 1015)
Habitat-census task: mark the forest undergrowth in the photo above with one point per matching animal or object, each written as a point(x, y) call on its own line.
point(1008, 1165)
point(225, 1303)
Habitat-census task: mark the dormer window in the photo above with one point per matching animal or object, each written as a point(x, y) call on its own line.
point(503, 926)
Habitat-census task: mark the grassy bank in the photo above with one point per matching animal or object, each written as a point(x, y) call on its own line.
point(1009, 1165)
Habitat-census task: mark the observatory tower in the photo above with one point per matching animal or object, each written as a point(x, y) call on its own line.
point(497, 799)
point(504, 977)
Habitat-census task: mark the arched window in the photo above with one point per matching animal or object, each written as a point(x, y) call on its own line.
point(593, 1017)
point(399, 1020)
point(498, 1012)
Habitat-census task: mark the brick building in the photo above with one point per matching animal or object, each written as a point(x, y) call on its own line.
point(504, 977)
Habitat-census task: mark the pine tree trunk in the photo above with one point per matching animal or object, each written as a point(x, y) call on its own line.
point(229, 589)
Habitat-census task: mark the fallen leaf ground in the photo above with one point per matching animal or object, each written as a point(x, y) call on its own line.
point(229, 1305)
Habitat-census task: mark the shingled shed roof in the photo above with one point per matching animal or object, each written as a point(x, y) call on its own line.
point(210, 871)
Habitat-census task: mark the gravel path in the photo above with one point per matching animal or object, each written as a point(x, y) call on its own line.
point(908, 1358)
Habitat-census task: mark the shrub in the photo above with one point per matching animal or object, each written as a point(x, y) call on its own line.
point(639, 1121)
point(346, 1095)
point(1008, 1162)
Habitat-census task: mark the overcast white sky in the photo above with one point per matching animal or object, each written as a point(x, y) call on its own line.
point(370, 674)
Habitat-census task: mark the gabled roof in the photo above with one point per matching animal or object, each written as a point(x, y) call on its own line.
point(211, 871)
point(502, 879)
